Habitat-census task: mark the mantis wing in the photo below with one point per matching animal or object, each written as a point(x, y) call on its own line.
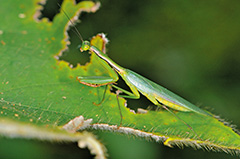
point(155, 92)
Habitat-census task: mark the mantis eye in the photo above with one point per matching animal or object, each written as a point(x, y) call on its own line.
point(85, 46)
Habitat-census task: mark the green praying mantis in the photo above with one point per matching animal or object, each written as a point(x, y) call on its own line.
point(157, 94)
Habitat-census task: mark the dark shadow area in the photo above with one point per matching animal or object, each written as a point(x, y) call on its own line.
point(38, 149)
point(50, 9)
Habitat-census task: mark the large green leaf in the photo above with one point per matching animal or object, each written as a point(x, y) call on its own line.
point(38, 89)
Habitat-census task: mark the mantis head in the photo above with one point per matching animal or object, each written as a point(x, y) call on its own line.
point(85, 46)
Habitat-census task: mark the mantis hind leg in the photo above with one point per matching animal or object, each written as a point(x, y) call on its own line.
point(159, 103)
point(181, 121)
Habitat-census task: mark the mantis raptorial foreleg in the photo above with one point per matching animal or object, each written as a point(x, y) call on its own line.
point(97, 81)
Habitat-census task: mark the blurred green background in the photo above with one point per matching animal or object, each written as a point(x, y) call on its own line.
point(190, 47)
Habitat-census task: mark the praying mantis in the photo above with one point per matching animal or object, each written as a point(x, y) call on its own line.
point(157, 94)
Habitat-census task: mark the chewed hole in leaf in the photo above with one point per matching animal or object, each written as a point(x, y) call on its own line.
point(50, 9)
point(73, 55)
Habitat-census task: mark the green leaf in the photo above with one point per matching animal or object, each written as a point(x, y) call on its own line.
point(38, 89)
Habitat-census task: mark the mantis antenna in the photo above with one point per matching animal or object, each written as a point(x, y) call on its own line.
point(75, 29)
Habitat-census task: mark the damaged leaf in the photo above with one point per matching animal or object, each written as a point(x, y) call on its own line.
point(38, 89)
